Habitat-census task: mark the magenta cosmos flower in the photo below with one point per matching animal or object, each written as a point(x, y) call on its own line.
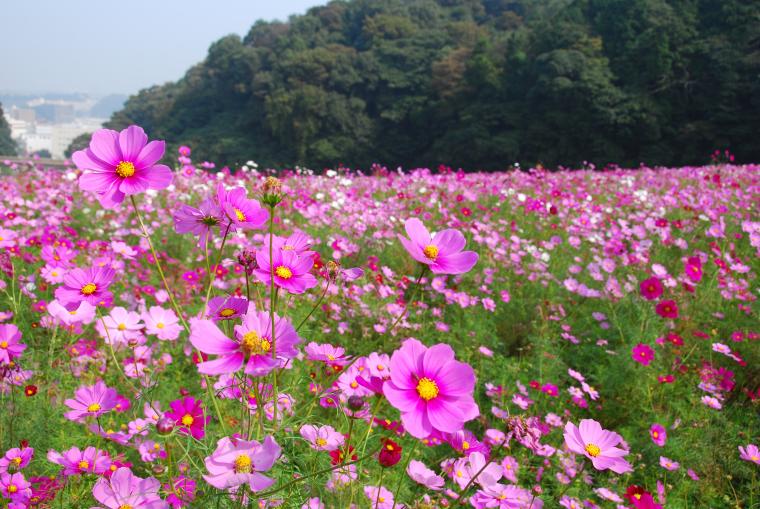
point(241, 211)
point(251, 347)
point(667, 309)
point(200, 221)
point(86, 285)
point(189, 416)
point(237, 462)
point(642, 353)
point(431, 389)
point(76, 462)
point(126, 490)
point(659, 434)
point(91, 401)
point(120, 164)
point(651, 288)
point(11, 346)
point(291, 272)
point(441, 252)
point(598, 445)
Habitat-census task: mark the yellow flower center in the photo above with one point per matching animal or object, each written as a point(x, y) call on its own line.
point(121, 326)
point(12, 488)
point(321, 442)
point(160, 325)
point(655, 434)
point(381, 499)
point(125, 506)
point(427, 389)
point(593, 450)
point(89, 288)
point(465, 445)
point(125, 169)
point(243, 464)
point(83, 465)
point(227, 312)
point(3, 344)
point(187, 420)
point(54, 273)
point(389, 447)
point(283, 272)
point(239, 215)
point(93, 408)
point(431, 251)
point(17, 461)
point(253, 344)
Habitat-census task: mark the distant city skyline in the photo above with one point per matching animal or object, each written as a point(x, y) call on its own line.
point(82, 46)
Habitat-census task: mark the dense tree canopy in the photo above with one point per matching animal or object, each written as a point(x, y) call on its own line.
point(473, 83)
point(7, 145)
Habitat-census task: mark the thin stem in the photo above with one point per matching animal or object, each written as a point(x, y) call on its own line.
point(402, 477)
point(379, 485)
point(406, 306)
point(218, 262)
point(272, 305)
point(319, 301)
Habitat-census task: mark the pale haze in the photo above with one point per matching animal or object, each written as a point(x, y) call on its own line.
point(102, 47)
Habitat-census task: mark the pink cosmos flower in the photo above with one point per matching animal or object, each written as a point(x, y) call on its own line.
point(510, 467)
point(76, 462)
point(7, 237)
point(669, 464)
point(15, 487)
point(421, 474)
point(241, 211)
point(16, 459)
point(181, 491)
point(476, 464)
point(380, 498)
point(441, 252)
point(252, 344)
point(120, 164)
point(291, 271)
point(327, 353)
point(163, 323)
point(322, 438)
point(189, 416)
point(431, 389)
point(91, 401)
point(505, 496)
point(598, 445)
point(642, 353)
point(236, 462)
point(126, 490)
point(10, 343)
point(227, 308)
point(121, 326)
point(693, 268)
point(651, 288)
point(201, 221)
point(712, 402)
point(750, 453)
point(667, 309)
point(84, 313)
point(659, 434)
point(88, 285)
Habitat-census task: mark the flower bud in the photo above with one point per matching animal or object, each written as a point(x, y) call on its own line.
point(355, 402)
point(165, 425)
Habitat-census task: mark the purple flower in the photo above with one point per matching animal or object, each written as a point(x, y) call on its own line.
point(200, 221)
point(291, 271)
point(669, 464)
point(15, 487)
point(16, 459)
point(598, 445)
point(125, 490)
point(86, 285)
point(236, 462)
point(91, 401)
point(120, 164)
point(227, 308)
point(750, 453)
point(442, 252)
point(189, 416)
point(431, 389)
point(421, 474)
point(659, 434)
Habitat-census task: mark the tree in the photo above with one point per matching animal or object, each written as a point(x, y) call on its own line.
point(7, 145)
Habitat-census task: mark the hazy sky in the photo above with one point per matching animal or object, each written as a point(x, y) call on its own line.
point(102, 46)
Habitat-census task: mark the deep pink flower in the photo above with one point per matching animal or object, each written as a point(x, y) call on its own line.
point(15, 487)
point(642, 353)
point(291, 271)
point(441, 252)
point(227, 308)
point(120, 164)
point(651, 288)
point(181, 492)
point(431, 389)
point(667, 309)
point(598, 445)
point(241, 211)
point(91, 401)
point(11, 346)
point(189, 415)
point(236, 462)
point(16, 459)
point(126, 490)
point(659, 434)
point(86, 285)
point(693, 268)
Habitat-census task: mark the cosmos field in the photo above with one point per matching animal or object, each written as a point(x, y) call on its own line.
point(192, 336)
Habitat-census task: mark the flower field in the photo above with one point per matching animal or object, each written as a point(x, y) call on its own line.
point(182, 337)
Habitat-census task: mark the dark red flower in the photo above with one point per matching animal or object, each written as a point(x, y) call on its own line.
point(390, 453)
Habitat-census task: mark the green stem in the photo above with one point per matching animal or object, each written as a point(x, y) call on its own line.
point(403, 476)
point(319, 301)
